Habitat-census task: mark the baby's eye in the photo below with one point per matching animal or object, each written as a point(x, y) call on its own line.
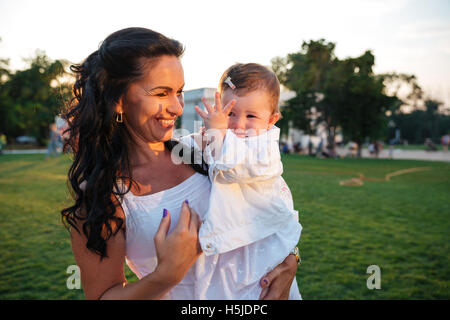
point(179, 93)
point(251, 116)
point(231, 114)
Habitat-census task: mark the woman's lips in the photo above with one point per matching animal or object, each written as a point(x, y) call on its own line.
point(166, 123)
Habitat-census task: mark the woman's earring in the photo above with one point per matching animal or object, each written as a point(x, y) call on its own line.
point(119, 117)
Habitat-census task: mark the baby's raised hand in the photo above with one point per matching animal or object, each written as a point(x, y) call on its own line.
point(216, 117)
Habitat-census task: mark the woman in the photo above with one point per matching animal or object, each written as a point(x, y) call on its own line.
point(128, 192)
point(52, 148)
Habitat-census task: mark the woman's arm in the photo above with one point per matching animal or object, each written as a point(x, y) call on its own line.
point(276, 285)
point(105, 279)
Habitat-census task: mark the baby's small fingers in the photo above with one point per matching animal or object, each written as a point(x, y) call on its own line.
point(229, 106)
point(218, 102)
point(208, 107)
point(201, 113)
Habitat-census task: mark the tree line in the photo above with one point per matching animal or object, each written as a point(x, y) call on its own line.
point(31, 98)
point(346, 96)
point(341, 95)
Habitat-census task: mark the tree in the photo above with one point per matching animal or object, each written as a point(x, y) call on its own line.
point(362, 100)
point(418, 125)
point(404, 87)
point(306, 73)
point(5, 75)
point(334, 93)
point(31, 98)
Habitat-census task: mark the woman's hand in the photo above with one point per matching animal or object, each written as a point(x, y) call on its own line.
point(276, 284)
point(177, 251)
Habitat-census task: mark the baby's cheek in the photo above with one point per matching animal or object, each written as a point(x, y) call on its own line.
point(257, 124)
point(232, 124)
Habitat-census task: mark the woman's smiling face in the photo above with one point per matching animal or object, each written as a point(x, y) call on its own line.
point(153, 103)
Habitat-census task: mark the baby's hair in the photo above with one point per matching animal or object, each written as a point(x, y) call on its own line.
point(250, 77)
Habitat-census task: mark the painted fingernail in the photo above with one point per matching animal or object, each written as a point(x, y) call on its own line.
point(187, 202)
point(265, 281)
point(164, 213)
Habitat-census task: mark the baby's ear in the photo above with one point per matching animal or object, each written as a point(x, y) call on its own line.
point(273, 119)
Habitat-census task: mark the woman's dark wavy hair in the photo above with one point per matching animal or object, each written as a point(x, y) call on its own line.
point(99, 143)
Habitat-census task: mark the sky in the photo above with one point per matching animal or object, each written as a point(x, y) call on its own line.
point(406, 36)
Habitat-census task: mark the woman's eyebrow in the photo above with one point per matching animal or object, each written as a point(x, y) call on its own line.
point(161, 87)
point(165, 88)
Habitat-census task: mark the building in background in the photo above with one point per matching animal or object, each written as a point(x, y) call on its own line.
point(190, 120)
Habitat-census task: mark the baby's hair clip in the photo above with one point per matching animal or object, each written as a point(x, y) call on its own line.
point(228, 82)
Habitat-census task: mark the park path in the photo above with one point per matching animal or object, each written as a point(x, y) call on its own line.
point(31, 151)
point(413, 154)
point(404, 154)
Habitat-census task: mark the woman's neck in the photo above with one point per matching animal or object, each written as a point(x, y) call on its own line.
point(147, 153)
point(153, 169)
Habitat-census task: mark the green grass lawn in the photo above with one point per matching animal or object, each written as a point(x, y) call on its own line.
point(401, 225)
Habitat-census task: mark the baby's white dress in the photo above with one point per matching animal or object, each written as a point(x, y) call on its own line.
point(250, 226)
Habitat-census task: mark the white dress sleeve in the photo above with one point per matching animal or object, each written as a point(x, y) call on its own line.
point(249, 199)
point(247, 160)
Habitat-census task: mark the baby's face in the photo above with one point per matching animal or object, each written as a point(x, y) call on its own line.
point(252, 114)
